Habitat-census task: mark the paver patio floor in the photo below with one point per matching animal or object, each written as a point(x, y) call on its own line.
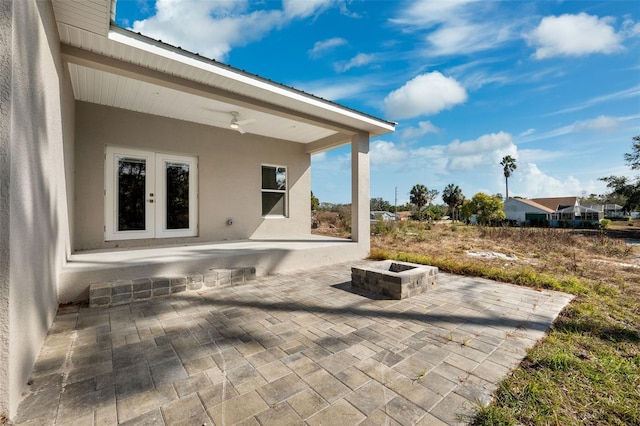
point(300, 348)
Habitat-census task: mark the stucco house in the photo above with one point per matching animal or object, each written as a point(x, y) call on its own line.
point(121, 156)
point(555, 212)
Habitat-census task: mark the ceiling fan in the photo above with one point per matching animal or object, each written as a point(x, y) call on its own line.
point(237, 124)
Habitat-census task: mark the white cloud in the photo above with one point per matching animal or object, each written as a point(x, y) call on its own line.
point(427, 13)
point(466, 38)
point(631, 28)
point(601, 123)
point(320, 47)
point(432, 158)
point(574, 35)
point(383, 152)
point(331, 162)
point(622, 94)
point(213, 28)
point(536, 155)
point(424, 127)
point(476, 163)
point(304, 8)
point(333, 90)
point(456, 27)
point(486, 150)
point(359, 60)
point(477, 79)
point(319, 157)
point(529, 181)
point(426, 94)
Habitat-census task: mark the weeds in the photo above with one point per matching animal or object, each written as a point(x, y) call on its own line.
point(420, 375)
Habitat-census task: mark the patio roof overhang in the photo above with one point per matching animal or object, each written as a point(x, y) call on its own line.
point(112, 66)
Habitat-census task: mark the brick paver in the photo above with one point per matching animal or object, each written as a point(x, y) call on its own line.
point(299, 348)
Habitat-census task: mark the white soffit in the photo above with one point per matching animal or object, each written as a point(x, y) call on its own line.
point(100, 87)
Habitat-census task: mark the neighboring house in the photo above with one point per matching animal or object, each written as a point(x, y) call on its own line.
point(568, 211)
point(110, 139)
point(384, 216)
point(608, 210)
point(555, 212)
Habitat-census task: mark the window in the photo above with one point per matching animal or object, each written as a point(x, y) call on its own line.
point(150, 195)
point(274, 191)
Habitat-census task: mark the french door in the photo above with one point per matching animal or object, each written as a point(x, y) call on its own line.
point(149, 194)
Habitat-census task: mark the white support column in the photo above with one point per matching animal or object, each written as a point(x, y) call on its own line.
point(360, 228)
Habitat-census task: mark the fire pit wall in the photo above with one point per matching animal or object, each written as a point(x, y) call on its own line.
point(394, 279)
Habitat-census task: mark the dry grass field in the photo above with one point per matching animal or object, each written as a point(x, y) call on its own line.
point(587, 370)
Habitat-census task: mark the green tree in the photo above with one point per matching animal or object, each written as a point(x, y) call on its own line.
point(436, 212)
point(419, 197)
point(378, 204)
point(315, 203)
point(627, 187)
point(487, 208)
point(508, 164)
point(633, 158)
point(452, 196)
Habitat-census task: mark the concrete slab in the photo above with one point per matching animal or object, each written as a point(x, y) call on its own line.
point(302, 348)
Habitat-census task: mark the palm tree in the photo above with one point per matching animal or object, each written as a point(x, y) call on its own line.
point(419, 197)
point(509, 165)
point(452, 196)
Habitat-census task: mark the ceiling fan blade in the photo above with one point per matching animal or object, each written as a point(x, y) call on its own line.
point(241, 130)
point(247, 121)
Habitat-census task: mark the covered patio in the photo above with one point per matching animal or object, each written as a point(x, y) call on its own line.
point(295, 348)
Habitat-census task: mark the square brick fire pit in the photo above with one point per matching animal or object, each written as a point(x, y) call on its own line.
point(394, 279)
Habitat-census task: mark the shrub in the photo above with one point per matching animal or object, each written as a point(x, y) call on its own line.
point(605, 223)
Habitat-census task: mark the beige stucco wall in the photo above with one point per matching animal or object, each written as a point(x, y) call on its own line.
point(38, 106)
point(229, 165)
point(5, 169)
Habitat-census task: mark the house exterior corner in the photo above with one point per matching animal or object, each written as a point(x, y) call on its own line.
point(36, 143)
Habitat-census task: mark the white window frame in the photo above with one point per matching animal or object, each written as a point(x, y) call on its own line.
point(284, 191)
point(155, 215)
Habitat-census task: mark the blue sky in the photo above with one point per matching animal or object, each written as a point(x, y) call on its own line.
point(555, 84)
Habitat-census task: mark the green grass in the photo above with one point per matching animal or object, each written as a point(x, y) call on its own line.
point(587, 370)
point(526, 276)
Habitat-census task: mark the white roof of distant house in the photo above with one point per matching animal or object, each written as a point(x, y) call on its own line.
point(581, 209)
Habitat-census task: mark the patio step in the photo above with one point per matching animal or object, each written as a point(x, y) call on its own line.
point(121, 292)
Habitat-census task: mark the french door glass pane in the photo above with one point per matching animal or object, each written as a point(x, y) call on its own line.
point(131, 194)
point(177, 208)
